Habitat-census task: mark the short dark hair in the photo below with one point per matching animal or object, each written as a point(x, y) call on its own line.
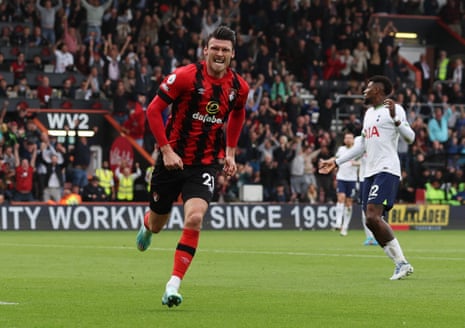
point(348, 131)
point(387, 84)
point(223, 33)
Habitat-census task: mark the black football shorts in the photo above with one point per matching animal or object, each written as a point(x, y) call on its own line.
point(191, 182)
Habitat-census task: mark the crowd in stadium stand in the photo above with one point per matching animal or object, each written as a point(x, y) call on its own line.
point(296, 55)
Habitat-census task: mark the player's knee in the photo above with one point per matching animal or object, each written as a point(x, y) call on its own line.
point(373, 219)
point(193, 221)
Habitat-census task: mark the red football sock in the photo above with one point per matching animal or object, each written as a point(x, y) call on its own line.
point(146, 220)
point(185, 251)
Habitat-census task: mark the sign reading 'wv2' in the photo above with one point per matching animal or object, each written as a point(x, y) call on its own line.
point(60, 120)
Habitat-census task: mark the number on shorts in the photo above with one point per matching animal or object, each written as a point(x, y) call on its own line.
point(373, 192)
point(209, 181)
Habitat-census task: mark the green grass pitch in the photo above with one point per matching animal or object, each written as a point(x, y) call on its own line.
point(238, 279)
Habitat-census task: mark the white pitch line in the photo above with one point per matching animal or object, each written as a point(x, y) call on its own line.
point(8, 303)
point(327, 254)
point(242, 251)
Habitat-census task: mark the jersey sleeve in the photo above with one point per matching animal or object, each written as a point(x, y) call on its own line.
point(170, 89)
point(242, 96)
point(237, 116)
point(155, 119)
point(354, 152)
point(174, 85)
point(235, 123)
point(405, 131)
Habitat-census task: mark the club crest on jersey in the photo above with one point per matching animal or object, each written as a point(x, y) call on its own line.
point(232, 95)
point(165, 87)
point(213, 107)
point(155, 197)
point(171, 79)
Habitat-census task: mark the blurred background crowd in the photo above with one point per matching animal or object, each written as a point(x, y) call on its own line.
point(299, 57)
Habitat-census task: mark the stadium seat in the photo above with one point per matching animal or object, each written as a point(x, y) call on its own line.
point(15, 102)
point(420, 196)
point(9, 77)
point(97, 105)
point(67, 104)
point(56, 79)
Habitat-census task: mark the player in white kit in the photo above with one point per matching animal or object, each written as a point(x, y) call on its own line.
point(383, 124)
point(346, 179)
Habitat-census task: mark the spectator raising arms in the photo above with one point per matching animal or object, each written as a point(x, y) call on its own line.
point(64, 59)
point(95, 11)
point(113, 61)
point(126, 179)
point(24, 176)
point(54, 177)
point(47, 19)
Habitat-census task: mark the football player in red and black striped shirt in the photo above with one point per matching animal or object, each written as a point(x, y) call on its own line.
point(204, 98)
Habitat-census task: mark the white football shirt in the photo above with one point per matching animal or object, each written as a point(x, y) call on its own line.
point(346, 171)
point(379, 139)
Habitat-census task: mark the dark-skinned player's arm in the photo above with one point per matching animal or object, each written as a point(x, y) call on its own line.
point(326, 166)
point(400, 121)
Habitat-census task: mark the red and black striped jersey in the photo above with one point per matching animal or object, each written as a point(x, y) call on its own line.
point(200, 106)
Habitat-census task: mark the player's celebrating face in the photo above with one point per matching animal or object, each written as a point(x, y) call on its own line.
point(377, 89)
point(218, 55)
point(371, 93)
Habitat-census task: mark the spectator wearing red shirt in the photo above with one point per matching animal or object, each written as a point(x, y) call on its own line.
point(7, 174)
point(134, 126)
point(44, 92)
point(24, 176)
point(18, 67)
point(332, 69)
